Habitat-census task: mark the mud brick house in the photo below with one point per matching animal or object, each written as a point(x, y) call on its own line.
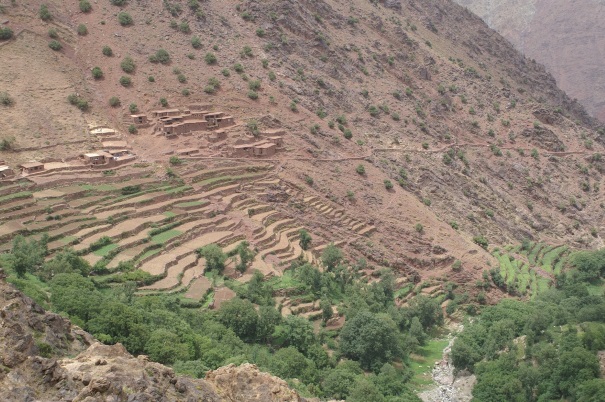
point(31, 167)
point(261, 148)
point(5, 171)
point(171, 122)
point(95, 158)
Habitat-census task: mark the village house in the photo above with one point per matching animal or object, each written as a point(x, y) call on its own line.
point(31, 167)
point(5, 171)
point(261, 148)
point(94, 158)
point(172, 122)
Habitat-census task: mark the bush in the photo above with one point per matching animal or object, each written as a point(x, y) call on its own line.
point(5, 33)
point(133, 108)
point(253, 95)
point(55, 45)
point(419, 228)
point(125, 81)
point(107, 51)
point(175, 160)
point(182, 79)
point(184, 27)
point(82, 30)
point(125, 19)
point(481, 241)
point(114, 101)
point(196, 42)
point(161, 56)
point(45, 15)
point(226, 72)
point(360, 169)
point(238, 68)
point(132, 129)
point(374, 112)
point(164, 102)
point(53, 33)
point(5, 99)
point(348, 134)
point(128, 65)
point(388, 184)
point(210, 58)
point(97, 73)
point(78, 101)
point(254, 85)
point(151, 78)
point(85, 6)
point(185, 92)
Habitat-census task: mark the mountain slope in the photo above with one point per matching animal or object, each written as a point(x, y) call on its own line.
point(565, 36)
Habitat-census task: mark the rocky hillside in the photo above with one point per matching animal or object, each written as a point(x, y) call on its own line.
point(44, 357)
point(464, 143)
point(565, 36)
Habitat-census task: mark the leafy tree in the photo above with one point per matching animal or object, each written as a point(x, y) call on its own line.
point(295, 331)
point(268, 319)
point(27, 255)
point(76, 296)
point(166, 347)
point(417, 332)
point(290, 363)
point(331, 257)
point(391, 382)
point(245, 256)
point(498, 382)
point(259, 291)
point(338, 382)
point(575, 366)
point(365, 390)
point(215, 258)
point(372, 339)
point(591, 391)
point(240, 316)
point(305, 239)
point(326, 309)
point(427, 310)
point(64, 262)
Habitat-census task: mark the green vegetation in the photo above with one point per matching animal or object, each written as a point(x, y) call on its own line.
point(6, 99)
point(82, 30)
point(85, 6)
point(107, 51)
point(78, 101)
point(97, 74)
point(161, 56)
point(44, 14)
point(125, 81)
point(210, 58)
point(125, 19)
point(55, 45)
point(127, 65)
point(544, 349)
point(5, 33)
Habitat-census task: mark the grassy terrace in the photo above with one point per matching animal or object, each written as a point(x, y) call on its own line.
point(163, 237)
point(423, 361)
point(14, 196)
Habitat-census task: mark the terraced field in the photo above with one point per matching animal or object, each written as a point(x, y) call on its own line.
point(139, 226)
point(531, 269)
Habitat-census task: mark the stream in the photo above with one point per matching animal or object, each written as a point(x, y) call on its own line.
point(448, 387)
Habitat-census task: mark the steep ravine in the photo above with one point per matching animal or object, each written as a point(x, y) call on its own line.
point(448, 386)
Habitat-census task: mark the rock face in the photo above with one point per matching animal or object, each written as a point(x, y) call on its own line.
point(566, 36)
point(34, 366)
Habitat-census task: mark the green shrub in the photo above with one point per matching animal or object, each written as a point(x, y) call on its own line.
point(97, 73)
point(119, 3)
point(52, 33)
point(55, 45)
point(5, 99)
point(78, 101)
point(82, 30)
point(164, 102)
point(125, 81)
point(253, 95)
point(360, 169)
point(196, 42)
point(210, 58)
point(175, 160)
point(348, 134)
point(182, 79)
point(133, 108)
point(5, 33)
point(293, 106)
point(132, 129)
point(481, 241)
point(125, 19)
point(44, 14)
point(226, 72)
point(107, 51)
point(374, 112)
point(85, 6)
point(247, 51)
point(160, 56)
point(114, 101)
point(184, 27)
point(238, 68)
point(128, 65)
point(151, 78)
point(388, 184)
point(186, 92)
point(254, 85)
point(260, 32)
point(457, 266)
point(419, 228)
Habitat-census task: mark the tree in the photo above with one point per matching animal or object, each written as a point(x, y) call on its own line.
point(76, 296)
point(591, 391)
point(417, 331)
point(305, 239)
point(66, 261)
point(290, 363)
point(427, 310)
point(364, 390)
point(268, 319)
point(240, 316)
point(338, 382)
point(166, 347)
point(391, 382)
point(372, 339)
point(331, 257)
point(295, 331)
point(326, 309)
point(215, 258)
point(26, 255)
point(245, 256)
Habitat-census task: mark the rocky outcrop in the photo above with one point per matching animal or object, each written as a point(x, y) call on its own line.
point(565, 36)
point(34, 366)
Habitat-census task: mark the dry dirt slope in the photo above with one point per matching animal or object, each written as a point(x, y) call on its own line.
point(565, 36)
point(433, 98)
point(34, 365)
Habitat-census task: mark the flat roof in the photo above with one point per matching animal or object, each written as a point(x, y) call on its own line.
point(4, 167)
point(240, 146)
point(215, 113)
point(165, 110)
point(138, 115)
point(31, 164)
point(92, 155)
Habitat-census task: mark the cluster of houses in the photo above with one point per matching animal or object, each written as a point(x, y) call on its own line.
point(109, 158)
point(264, 147)
point(194, 118)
